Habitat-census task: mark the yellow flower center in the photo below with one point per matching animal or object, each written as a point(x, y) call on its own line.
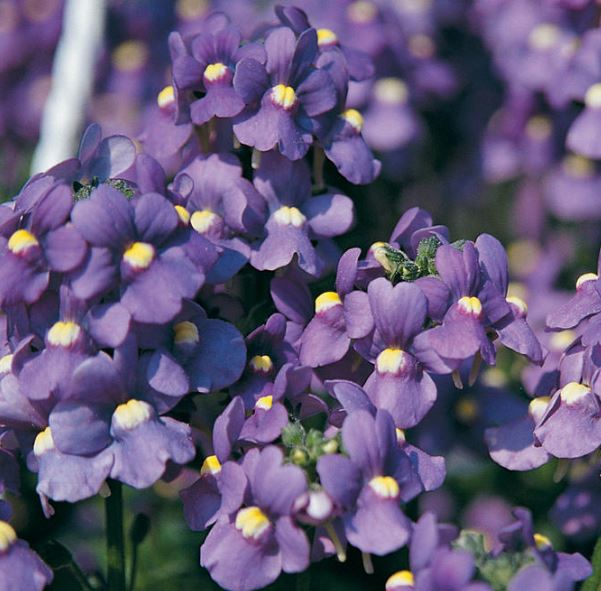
point(283, 96)
point(402, 578)
point(132, 414)
point(391, 360)
point(584, 278)
point(385, 486)
point(391, 91)
point(203, 220)
point(592, 98)
point(470, 305)
point(43, 442)
point(544, 36)
point(261, 363)
point(21, 240)
point(542, 542)
point(215, 71)
point(63, 334)
point(6, 363)
point(130, 55)
point(354, 119)
point(191, 9)
point(289, 216)
point(166, 97)
point(139, 255)
point(8, 536)
point(539, 127)
point(185, 332)
point(264, 403)
point(538, 406)
point(400, 435)
point(327, 300)
point(467, 410)
point(183, 214)
point(211, 465)
point(361, 12)
point(562, 340)
point(326, 37)
point(578, 166)
point(519, 303)
point(252, 522)
point(574, 392)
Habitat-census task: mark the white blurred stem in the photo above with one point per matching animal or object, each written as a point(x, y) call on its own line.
point(72, 82)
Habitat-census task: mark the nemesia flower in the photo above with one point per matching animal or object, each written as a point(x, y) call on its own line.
point(249, 548)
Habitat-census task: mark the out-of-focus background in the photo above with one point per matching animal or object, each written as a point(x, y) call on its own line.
point(469, 110)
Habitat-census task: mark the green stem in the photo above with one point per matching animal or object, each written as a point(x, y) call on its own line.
point(319, 159)
point(303, 581)
point(594, 582)
point(115, 543)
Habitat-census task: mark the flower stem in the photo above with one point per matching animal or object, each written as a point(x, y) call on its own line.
point(368, 565)
point(115, 544)
point(319, 159)
point(593, 583)
point(331, 531)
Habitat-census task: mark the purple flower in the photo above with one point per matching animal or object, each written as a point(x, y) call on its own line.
point(20, 567)
point(248, 549)
point(367, 485)
point(132, 249)
point(295, 217)
point(284, 96)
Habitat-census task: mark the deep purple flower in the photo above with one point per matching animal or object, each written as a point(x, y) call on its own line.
point(132, 249)
point(248, 549)
point(295, 217)
point(284, 96)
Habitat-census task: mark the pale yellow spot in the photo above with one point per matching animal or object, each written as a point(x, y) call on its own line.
point(6, 363)
point(63, 334)
point(542, 542)
point(538, 406)
point(494, 377)
point(391, 90)
point(391, 360)
point(584, 278)
point(326, 37)
point(574, 392)
point(166, 97)
point(539, 127)
point(130, 55)
point(361, 12)
point(562, 340)
point(467, 410)
point(380, 253)
point(191, 9)
point(519, 303)
point(385, 486)
point(183, 214)
point(421, 46)
point(43, 442)
point(289, 216)
point(402, 578)
point(354, 118)
point(262, 363)
point(252, 522)
point(21, 240)
point(211, 465)
point(578, 166)
point(264, 403)
point(327, 300)
point(215, 71)
point(523, 256)
point(185, 333)
point(517, 289)
point(132, 414)
point(330, 446)
point(203, 220)
point(544, 36)
point(284, 96)
point(8, 536)
point(470, 305)
point(139, 255)
point(592, 98)
point(400, 435)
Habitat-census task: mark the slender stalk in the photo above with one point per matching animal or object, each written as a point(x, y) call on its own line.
point(368, 565)
point(115, 542)
point(593, 583)
point(303, 581)
point(331, 531)
point(319, 159)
